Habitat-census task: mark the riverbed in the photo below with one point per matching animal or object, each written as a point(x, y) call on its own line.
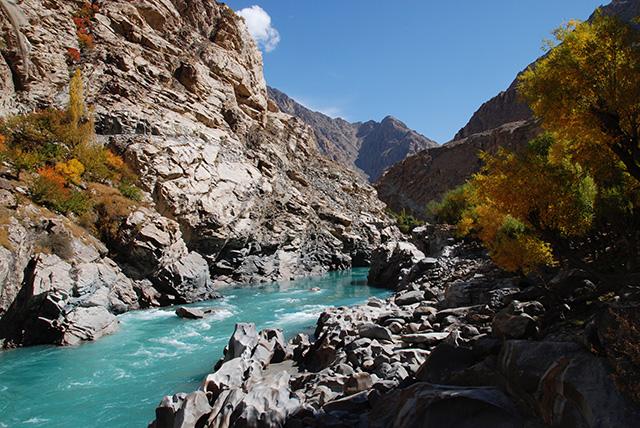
point(118, 380)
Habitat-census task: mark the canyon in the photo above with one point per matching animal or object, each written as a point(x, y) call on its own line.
point(241, 186)
point(234, 189)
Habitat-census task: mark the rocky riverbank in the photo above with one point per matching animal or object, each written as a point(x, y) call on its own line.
point(459, 343)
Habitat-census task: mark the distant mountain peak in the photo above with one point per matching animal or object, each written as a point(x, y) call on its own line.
point(370, 147)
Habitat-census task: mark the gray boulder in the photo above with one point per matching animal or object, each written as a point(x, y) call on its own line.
point(374, 331)
point(427, 405)
point(242, 342)
point(150, 246)
point(391, 261)
point(357, 383)
point(409, 298)
point(518, 320)
point(190, 313)
point(564, 385)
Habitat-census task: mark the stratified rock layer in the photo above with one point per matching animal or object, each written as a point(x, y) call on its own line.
point(428, 175)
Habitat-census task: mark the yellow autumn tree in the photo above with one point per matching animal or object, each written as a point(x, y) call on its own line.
point(520, 202)
point(80, 124)
point(587, 91)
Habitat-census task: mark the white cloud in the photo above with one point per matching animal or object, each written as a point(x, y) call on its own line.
point(259, 25)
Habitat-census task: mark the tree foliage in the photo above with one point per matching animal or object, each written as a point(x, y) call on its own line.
point(405, 221)
point(587, 91)
point(521, 202)
point(578, 185)
point(453, 205)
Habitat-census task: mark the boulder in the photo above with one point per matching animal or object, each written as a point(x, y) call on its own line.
point(242, 342)
point(564, 385)
point(374, 331)
point(182, 411)
point(518, 320)
point(409, 298)
point(190, 313)
point(357, 383)
point(427, 339)
point(150, 246)
point(391, 261)
point(193, 412)
point(427, 405)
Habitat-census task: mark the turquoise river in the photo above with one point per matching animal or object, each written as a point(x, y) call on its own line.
point(118, 380)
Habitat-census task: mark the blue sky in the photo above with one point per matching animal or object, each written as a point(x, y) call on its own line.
point(429, 63)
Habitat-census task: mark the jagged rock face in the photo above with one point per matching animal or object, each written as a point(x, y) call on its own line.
point(336, 138)
point(419, 179)
point(386, 143)
point(178, 87)
point(370, 147)
point(499, 110)
point(625, 9)
point(57, 284)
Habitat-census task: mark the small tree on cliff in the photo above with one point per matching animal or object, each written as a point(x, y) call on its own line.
point(587, 91)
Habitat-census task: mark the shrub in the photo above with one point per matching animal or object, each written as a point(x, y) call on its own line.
point(453, 205)
point(405, 221)
point(60, 147)
point(130, 191)
point(93, 157)
point(111, 209)
point(49, 190)
point(4, 238)
point(55, 243)
point(3, 147)
point(73, 54)
point(71, 170)
point(84, 22)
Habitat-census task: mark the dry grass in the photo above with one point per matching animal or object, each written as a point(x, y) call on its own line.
point(5, 219)
point(111, 209)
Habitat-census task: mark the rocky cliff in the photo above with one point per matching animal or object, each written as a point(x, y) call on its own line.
point(421, 178)
point(370, 147)
point(503, 121)
point(235, 190)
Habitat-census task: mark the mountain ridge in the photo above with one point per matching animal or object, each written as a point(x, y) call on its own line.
point(369, 147)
